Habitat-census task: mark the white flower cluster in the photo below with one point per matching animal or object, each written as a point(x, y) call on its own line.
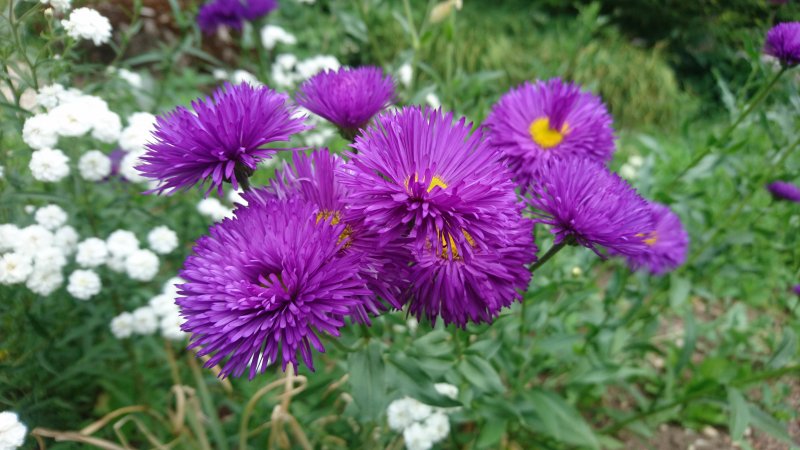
point(630, 169)
point(59, 5)
point(133, 140)
point(132, 78)
point(213, 208)
point(88, 24)
point(288, 71)
point(160, 314)
point(122, 254)
point(12, 431)
point(272, 35)
point(237, 77)
point(422, 425)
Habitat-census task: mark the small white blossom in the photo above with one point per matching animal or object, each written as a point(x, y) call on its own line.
point(106, 126)
point(418, 410)
point(66, 239)
point(122, 243)
point(44, 282)
point(145, 320)
point(49, 259)
point(271, 35)
point(33, 238)
point(312, 66)
point(219, 74)
point(399, 413)
point(48, 96)
point(49, 165)
point(134, 137)
point(122, 325)
point(628, 172)
point(92, 252)
point(15, 268)
point(9, 236)
point(212, 208)
point(170, 288)
point(40, 132)
point(132, 78)
point(163, 305)
point(94, 165)
point(141, 265)
point(162, 240)
point(29, 209)
point(405, 73)
point(243, 76)
point(51, 217)
point(84, 284)
point(417, 437)
point(171, 327)
point(432, 100)
point(446, 389)
point(12, 431)
point(636, 161)
point(116, 263)
point(72, 119)
point(86, 23)
point(437, 426)
point(127, 167)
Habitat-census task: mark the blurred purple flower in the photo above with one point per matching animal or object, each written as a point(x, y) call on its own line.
point(783, 42)
point(667, 243)
point(537, 121)
point(222, 140)
point(232, 13)
point(796, 289)
point(782, 190)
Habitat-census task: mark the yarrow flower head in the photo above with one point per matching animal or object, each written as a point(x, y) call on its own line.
point(12, 431)
point(782, 190)
point(232, 13)
point(536, 121)
point(348, 97)
point(783, 42)
point(587, 204)
point(88, 24)
point(222, 140)
point(666, 243)
point(263, 286)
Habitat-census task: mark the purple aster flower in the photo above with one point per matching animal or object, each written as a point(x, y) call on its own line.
point(232, 13)
point(585, 203)
point(314, 178)
point(459, 290)
point(265, 285)
point(666, 243)
point(534, 122)
point(222, 140)
point(417, 174)
point(796, 289)
point(348, 97)
point(782, 190)
point(783, 42)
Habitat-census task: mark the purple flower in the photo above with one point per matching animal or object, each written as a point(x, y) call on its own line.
point(583, 201)
point(417, 174)
point(534, 122)
point(232, 13)
point(796, 289)
point(666, 243)
point(348, 97)
point(783, 42)
point(314, 178)
point(266, 284)
point(782, 190)
point(222, 139)
point(459, 290)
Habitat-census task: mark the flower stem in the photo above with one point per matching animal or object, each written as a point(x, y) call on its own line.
point(757, 99)
point(550, 253)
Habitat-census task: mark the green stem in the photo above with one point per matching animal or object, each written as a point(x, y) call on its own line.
point(550, 253)
point(208, 404)
point(757, 99)
point(261, 52)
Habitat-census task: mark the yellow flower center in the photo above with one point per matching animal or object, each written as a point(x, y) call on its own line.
point(448, 243)
point(325, 214)
point(546, 137)
point(336, 217)
point(435, 181)
point(649, 238)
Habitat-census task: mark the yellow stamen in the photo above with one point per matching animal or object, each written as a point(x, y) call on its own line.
point(546, 137)
point(435, 181)
point(649, 238)
point(445, 237)
point(324, 214)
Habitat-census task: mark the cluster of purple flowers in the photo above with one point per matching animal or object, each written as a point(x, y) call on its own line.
point(423, 213)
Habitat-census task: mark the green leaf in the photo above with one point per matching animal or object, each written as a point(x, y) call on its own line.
point(491, 433)
point(689, 341)
point(786, 350)
point(739, 414)
point(480, 374)
point(368, 380)
point(768, 424)
point(679, 288)
point(561, 420)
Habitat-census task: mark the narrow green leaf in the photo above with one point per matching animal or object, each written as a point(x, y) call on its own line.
point(786, 350)
point(480, 374)
point(368, 380)
point(561, 420)
point(739, 414)
point(768, 424)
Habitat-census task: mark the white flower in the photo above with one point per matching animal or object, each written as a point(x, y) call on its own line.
point(94, 165)
point(122, 243)
point(127, 167)
point(106, 126)
point(49, 165)
point(86, 23)
point(72, 119)
point(44, 282)
point(162, 240)
point(141, 265)
point(137, 133)
point(437, 426)
point(418, 410)
point(2, 172)
point(39, 132)
point(311, 66)
point(399, 413)
point(212, 208)
point(243, 76)
point(61, 5)
point(48, 96)
point(307, 2)
point(29, 209)
point(92, 252)
point(9, 236)
point(163, 305)
point(636, 161)
point(49, 259)
point(66, 239)
point(417, 437)
point(170, 288)
point(15, 268)
point(116, 263)
point(145, 320)
point(446, 389)
point(84, 284)
point(219, 74)
point(405, 73)
point(627, 171)
point(171, 327)
point(132, 78)
point(122, 325)
point(412, 324)
point(432, 100)
point(32, 238)
point(271, 35)
point(51, 217)
point(12, 431)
